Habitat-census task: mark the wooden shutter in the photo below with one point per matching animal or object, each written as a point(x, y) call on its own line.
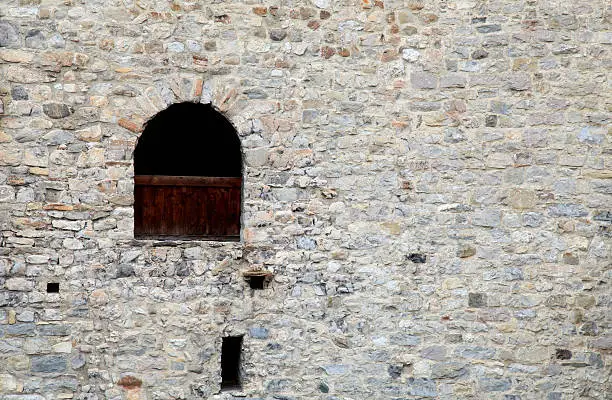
point(187, 207)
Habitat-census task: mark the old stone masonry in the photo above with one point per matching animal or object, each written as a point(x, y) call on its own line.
point(425, 200)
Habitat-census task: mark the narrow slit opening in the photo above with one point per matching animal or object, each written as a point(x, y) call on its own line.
point(52, 287)
point(231, 350)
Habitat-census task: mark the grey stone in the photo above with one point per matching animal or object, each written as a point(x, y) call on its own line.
point(259, 332)
point(54, 330)
point(336, 369)
point(20, 330)
point(487, 218)
point(9, 34)
point(22, 397)
point(602, 343)
point(477, 300)
point(520, 82)
point(59, 137)
point(454, 135)
point(78, 361)
point(395, 371)
point(125, 270)
point(587, 136)
point(277, 385)
point(57, 110)
point(489, 28)
point(35, 39)
point(405, 339)
point(48, 364)
point(423, 80)
point(491, 121)
point(567, 210)
point(278, 34)
point(589, 328)
point(306, 243)
point(310, 116)
point(475, 352)
point(437, 353)
point(448, 370)
point(422, 387)
point(480, 54)
point(495, 384)
point(564, 49)
point(19, 93)
point(453, 81)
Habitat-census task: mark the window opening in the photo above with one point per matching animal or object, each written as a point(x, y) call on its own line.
point(231, 351)
point(52, 287)
point(188, 176)
point(257, 282)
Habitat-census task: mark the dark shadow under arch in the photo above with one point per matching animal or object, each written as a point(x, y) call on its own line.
point(188, 176)
point(188, 139)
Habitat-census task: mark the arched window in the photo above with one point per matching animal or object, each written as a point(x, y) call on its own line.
point(188, 176)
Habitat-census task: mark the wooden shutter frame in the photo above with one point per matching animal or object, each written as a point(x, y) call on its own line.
point(223, 220)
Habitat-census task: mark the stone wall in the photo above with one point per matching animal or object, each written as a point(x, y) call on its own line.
point(429, 181)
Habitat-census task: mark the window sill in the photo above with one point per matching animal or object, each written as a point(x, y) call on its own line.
point(187, 238)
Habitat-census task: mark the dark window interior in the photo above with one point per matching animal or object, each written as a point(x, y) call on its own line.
point(188, 139)
point(52, 287)
point(230, 362)
point(257, 282)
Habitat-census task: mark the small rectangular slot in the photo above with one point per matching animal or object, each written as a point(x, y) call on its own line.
point(52, 287)
point(230, 362)
point(257, 282)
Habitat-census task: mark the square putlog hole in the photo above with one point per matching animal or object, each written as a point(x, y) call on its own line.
point(257, 282)
point(52, 287)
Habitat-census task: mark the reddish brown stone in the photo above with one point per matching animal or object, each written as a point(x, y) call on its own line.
point(324, 14)
point(281, 64)
point(129, 382)
point(415, 5)
point(130, 125)
point(327, 52)
point(379, 4)
point(388, 55)
point(107, 44)
point(344, 52)
point(429, 18)
point(15, 181)
point(273, 10)
point(314, 24)
point(200, 61)
point(261, 11)
point(198, 87)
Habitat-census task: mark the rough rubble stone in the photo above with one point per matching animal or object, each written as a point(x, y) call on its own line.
point(56, 110)
point(426, 192)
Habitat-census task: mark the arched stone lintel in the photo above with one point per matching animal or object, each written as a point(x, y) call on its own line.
point(222, 94)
